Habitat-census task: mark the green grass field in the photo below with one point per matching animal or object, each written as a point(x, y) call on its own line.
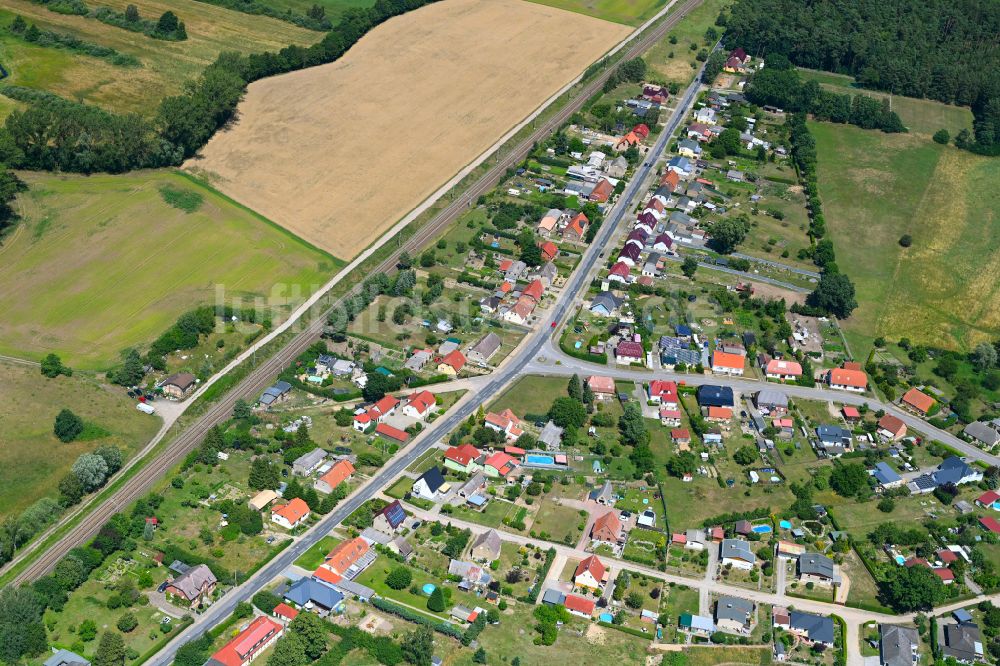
point(314, 557)
point(32, 460)
point(102, 263)
point(941, 291)
point(681, 67)
point(166, 65)
point(921, 116)
point(629, 12)
point(334, 8)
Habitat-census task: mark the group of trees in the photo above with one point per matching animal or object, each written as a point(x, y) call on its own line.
point(89, 472)
point(937, 49)
point(57, 134)
point(779, 85)
point(68, 426)
point(313, 19)
point(33, 35)
point(630, 71)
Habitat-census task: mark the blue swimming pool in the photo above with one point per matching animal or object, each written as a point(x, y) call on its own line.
point(900, 560)
point(761, 529)
point(429, 588)
point(606, 617)
point(785, 525)
point(535, 459)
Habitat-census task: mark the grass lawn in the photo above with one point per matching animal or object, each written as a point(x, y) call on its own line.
point(491, 516)
point(943, 290)
point(922, 116)
point(689, 504)
point(709, 656)
point(101, 263)
point(689, 31)
point(863, 590)
point(645, 546)
point(861, 518)
point(313, 557)
point(400, 487)
point(530, 395)
point(629, 12)
point(165, 65)
point(32, 459)
point(557, 522)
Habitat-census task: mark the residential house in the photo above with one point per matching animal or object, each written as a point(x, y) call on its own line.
point(505, 422)
point(452, 364)
point(952, 470)
point(620, 272)
point(427, 486)
point(346, 558)
point(734, 615)
point(981, 432)
point(418, 359)
point(655, 93)
point(724, 363)
point(462, 458)
point(600, 194)
point(771, 402)
point(547, 225)
point(472, 486)
point(340, 472)
point(486, 546)
point(193, 587)
point(485, 349)
point(736, 552)
point(602, 387)
point(605, 304)
point(699, 132)
point(628, 352)
point(630, 254)
point(551, 436)
point(499, 465)
point(918, 401)
point(710, 395)
point(374, 415)
point(891, 428)
point(664, 243)
point(590, 573)
point(262, 500)
point(681, 437)
point(898, 646)
point(989, 500)
point(696, 624)
point(389, 432)
point(789, 550)
point(963, 642)
point(520, 312)
point(603, 495)
point(579, 606)
point(389, 518)
point(401, 547)
point(812, 628)
point(308, 592)
point(259, 635)
point(843, 379)
point(291, 514)
point(576, 229)
point(420, 405)
point(178, 385)
point(817, 569)
point(607, 528)
point(833, 436)
point(705, 115)
point(617, 167)
point(782, 370)
point(886, 476)
point(670, 416)
point(663, 393)
point(549, 250)
point(307, 464)
point(695, 539)
point(689, 148)
point(64, 657)
point(681, 165)
point(274, 395)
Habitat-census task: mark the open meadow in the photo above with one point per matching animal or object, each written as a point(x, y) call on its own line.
point(32, 459)
point(629, 12)
point(678, 62)
point(102, 263)
point(166, 65)
point(340, 152)
point(942, 291)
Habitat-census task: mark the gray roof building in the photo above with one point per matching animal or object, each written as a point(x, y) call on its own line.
point(65, 658)
point(963, 642)
point(486, 546)
point(603, 495)
point(817, 628)
point(551, 436)
point(771, 398)
point(982, 432)
point(307, 464)
point(734, 609)
point(605, 303)
point(816, 564)
point(737, 549)
point(897, 645)
point(194, 582)
point(484, 350)
point(833, 434)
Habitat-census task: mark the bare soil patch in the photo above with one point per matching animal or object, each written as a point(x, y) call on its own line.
point(338, 153)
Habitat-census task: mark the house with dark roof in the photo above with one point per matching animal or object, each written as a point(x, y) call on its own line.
point(306, 591)
point(389, 518)
point(485, 349)
point(886, 476)
point(952, 470)
point(833, 435)
point(897, 645)
point(710, 395)
point(193, 586)
point(963, 642)
point(981, 432)
point(178, 385)
point(65, 658)
point(605, 304)
point(812, 628)
point(734, 615)
point(736, 552)
point(818, 569)
point(275, 394)
point(427, 486)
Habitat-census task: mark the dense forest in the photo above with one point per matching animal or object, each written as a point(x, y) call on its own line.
point(55, 133)
point(946, 50)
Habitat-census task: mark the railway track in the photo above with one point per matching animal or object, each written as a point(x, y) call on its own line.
point(262, 375)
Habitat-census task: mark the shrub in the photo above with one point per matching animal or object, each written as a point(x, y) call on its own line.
point(399, 578)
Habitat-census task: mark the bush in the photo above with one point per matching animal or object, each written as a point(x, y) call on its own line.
point(399, 578)
point(905, 240)
point(127, 623)
point(942, 136)
point(886, 505)
point(68, 426)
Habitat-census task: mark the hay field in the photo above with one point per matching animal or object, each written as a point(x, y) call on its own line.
point(102, 263)
point(32, 460)
point(166, 65)
point(942, 291)
point(339, 153)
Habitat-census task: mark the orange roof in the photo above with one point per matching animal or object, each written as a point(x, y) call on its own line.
point(501, 462)
point(892, 424)
point(577, 603)
point(851, 413)
point(919, 400)
point(578, 222)
point(593, 565)
point(608, 521)
point(602, 190)
point(386, 404)
point(514, 450)
point(455, 359)
point(720, 413)
point(721, 359)
point(850, 365)
point(505, 264)
point(284, 610)
point(601, 384)
point(848, 377)
point(505, 287)
point(663, 389)
point(503, 419)
point(326, 575)
point(680, 433)
point(422, 401)
point(345, 554)
point(549, 250)
point(782, 367)
point(534, 290)
point(463, 454)
point(392, 433)
point(243, 647)
point(293, 512)
point(342, 470)
point(671, 178)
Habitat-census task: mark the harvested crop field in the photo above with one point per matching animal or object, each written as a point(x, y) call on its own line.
point(339, 153)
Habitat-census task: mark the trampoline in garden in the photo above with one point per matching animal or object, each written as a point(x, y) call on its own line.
point(429, 588)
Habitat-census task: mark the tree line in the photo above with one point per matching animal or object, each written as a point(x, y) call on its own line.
point(314, 19)
point(60, 40)
point(945, 50)
point(59, 134)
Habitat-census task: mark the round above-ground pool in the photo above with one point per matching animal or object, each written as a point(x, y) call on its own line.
point(429, 588)
point(606, 617)
point(761, 529)
point(785, 525)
